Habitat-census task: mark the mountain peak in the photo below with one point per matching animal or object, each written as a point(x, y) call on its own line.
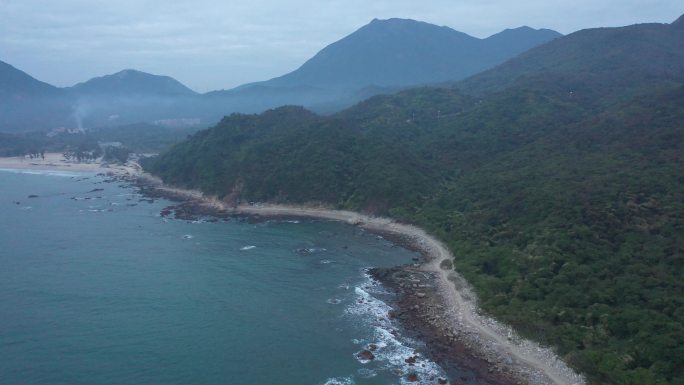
point(526, 31)
point(130, 71)
point(394, 20)
point(399, 24)
point(131, 81)
point(521, 28)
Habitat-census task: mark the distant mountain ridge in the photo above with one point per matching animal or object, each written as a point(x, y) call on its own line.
point(383, 56)
point(593, 54)
point(404, 52)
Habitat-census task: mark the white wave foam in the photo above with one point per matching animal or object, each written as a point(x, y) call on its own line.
point(366, 373)
point(42, 172)
point(311, 250)
point(340, 381)
point(245, 248)
point(390, 349)
point(187, 236)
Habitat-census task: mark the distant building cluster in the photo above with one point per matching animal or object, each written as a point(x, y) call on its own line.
point(180, 122)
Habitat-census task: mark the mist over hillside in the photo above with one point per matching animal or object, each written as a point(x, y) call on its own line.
point(382, 57)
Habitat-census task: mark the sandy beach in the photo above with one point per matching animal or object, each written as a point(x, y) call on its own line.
point(57, 162)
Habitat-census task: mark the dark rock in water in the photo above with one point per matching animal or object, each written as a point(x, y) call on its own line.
point(442, 381)
point(410, 360)
point(96, 189)
point(33, 196)
point(412, 377)
point(365, 355)
point(17, 203)
point(372, 347)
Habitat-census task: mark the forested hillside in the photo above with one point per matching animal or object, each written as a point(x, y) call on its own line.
point(560, 189)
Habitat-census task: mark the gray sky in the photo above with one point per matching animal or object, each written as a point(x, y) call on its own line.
point(211, 44)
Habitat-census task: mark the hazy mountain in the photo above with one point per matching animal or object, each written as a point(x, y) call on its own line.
point(29, 104)
point(384, 56)
point(558, 186)
point(16, 84)
point(131, 82)
point(131, 96)
point(400, 52)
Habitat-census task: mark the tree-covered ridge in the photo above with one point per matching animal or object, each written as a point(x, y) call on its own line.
point(561, 194)
point(607, 58)
point(578, 239)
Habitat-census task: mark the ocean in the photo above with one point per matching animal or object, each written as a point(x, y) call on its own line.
point(97, 288)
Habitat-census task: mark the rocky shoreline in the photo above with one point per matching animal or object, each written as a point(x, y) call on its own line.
point(419, 311)
point(419, 306)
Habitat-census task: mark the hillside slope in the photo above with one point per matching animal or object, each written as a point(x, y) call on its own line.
point(610, 58)
point(27, 103)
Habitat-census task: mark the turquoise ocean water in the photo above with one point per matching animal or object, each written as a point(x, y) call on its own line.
point(97, 288)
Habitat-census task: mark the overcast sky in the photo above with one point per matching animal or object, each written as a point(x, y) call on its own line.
point(213, 44)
